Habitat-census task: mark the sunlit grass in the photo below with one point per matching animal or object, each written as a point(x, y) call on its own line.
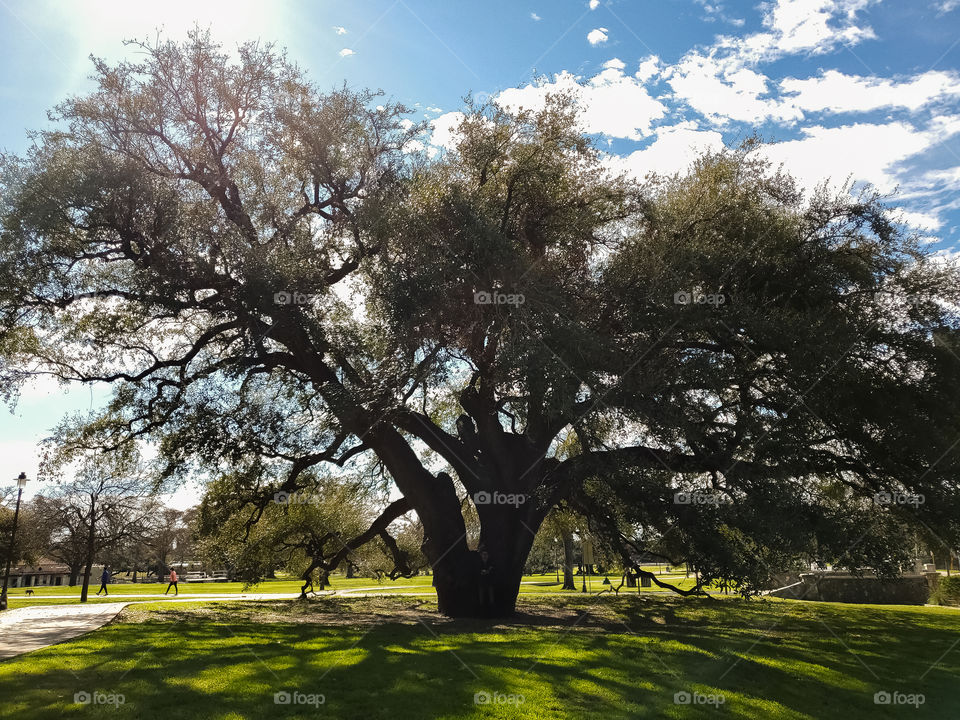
point(567, 656)
point(419, 585)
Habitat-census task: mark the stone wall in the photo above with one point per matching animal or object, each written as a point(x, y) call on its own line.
point(843, 587)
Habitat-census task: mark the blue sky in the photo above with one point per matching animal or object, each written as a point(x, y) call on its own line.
point(865, 88)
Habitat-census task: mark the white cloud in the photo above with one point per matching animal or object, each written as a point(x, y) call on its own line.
point(535, 17)
point(444, 129)
point(672, 151)
point(794, 27)
point(836, 92)
point(413, 146)
point(340, 30)
point(945, 125)
point(434, 109)
point(949, 176)
point(346, 52)
point(946, 6)
point(722, 82)
point(594, 4)
point(649, 68)
point(614, 64)
point(597, 36)
point(810, 25)
point(612, 103)
point(723, 91)
point(921, 220)
point(865, 152)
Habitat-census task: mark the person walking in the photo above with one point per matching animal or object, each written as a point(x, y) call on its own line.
point(104, 579)
point(173, 583)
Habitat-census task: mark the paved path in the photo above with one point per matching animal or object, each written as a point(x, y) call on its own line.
point(182, 597)
point(31, 628)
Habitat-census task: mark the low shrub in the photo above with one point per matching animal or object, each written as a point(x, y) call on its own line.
point(948, 592)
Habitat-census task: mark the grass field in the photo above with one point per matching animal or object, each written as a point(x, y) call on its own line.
point(562, 657)
point(532, 584)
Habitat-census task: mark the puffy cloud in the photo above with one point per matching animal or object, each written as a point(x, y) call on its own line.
point(346, 52)
point(722, 91)
point(924, 220)
point(672, 151)
point(721, 81)
point(594, 4)
point(863, 151)
point(597, 36)
point(613, 104)
point(445, 129)
point(649, 68)
point(614, 64)
point(535, 17)
point(340, 30)
point(815, 26)
point(836, 92)
point(793, 27)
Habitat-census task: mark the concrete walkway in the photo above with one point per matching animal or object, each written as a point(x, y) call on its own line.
point(31, 628)
point(182, 597)
point(23, 630)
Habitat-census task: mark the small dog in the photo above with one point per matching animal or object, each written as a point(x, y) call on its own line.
point(29, 592)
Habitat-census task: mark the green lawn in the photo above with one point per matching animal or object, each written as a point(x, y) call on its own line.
point(532, 584)
point(562, 657)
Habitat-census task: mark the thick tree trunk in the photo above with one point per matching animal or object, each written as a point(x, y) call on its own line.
point(506, 534)
point(569, 558)
point(506, 531)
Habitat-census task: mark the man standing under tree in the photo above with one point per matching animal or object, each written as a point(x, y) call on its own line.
point(173, 583)
point(104, 579)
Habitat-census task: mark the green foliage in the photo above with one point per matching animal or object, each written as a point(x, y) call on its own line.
point(947, 592)
point(278, 279)
point(288, 531)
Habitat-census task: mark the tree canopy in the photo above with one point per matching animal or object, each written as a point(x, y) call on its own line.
point(278, 278)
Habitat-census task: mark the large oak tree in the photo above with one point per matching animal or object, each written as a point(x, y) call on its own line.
point(277, 278)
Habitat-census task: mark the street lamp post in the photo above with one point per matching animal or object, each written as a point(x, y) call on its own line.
point(21, 484)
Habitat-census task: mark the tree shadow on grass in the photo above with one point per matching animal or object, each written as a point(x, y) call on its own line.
point(766, 659)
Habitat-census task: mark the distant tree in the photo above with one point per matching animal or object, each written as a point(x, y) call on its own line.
point(167, 528)
point(308, 533)
point(193, 229)
point(67, 533)
point(105, 503)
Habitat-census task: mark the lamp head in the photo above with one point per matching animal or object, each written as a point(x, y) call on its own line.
point(22, 480)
